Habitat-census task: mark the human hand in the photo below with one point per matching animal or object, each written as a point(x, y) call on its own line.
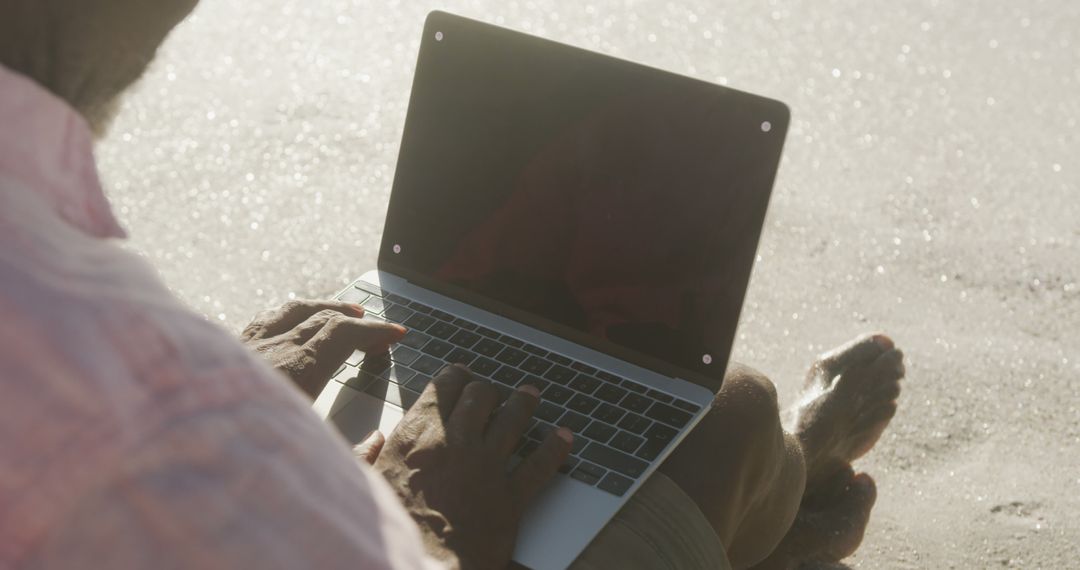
point(447, 459)
point(309, 340)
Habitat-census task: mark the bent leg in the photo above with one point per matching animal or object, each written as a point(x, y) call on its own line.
point(745, 474)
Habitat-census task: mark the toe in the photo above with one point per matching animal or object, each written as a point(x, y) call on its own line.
point(887, 367)
point(851, 515)
point(859, 352)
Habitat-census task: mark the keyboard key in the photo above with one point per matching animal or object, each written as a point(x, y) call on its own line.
point(594, 470)
point(353, 295)
point(659, 396)
point(558, 394)
point(657, 439)
point(392, 393)
point(404, 355)
point(460, 356)
point(359, 381)
point(374, 364)
point(484, 366)
point(442, 330)
point(574, 421)
point(627, 442)
point(464, 338)
point(464, 324)
point(503, 390)
point(609, 393)
point(511, 356)
point(397, 374)
point(585, 383)
point(608, 377)
point(634, 423)
point(614, 460)
point(418, 382)
point(374, 306)
point(684, 405)
point(371, 289)
point(608, 413)
point(427, 365)
point(661, 432)
point(635, 403)
point(634, 387)
point(511, 341)
point(579, 444)
point(355, 358)
point(484, 331)
point(508, 375)
point(442, 315)
point(529, 447)
point(419, 322)
point(541, 431)
point(584, 477)
point(533, 349)
point(668, 414)
point(559, 359)
point(397, 299)
point(438, 348)
point(616, 484)
point(340, 369)
point(560, 374)
point(548, 412)
point(599, 432)
point(569, 465)
point(488, 347)
point(414, 339)
point(535, 365)
point(540, 383)
point(419, 307)
point(582, 367)
point(582, 404)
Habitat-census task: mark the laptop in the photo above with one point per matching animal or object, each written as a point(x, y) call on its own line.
point(574, 221)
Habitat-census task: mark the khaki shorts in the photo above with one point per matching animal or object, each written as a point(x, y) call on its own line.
point(659, 528)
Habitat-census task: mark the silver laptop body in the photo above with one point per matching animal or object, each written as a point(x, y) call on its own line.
point(503, 123)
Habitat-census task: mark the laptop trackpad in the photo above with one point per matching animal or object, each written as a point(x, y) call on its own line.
point(364, 414)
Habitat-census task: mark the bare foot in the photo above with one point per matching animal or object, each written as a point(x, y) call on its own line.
point(830, 528)
point(848, 401)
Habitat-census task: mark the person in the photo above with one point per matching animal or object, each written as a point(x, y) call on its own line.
point(134, 433)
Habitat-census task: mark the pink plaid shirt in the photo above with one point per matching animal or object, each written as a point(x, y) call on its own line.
point(133, 433)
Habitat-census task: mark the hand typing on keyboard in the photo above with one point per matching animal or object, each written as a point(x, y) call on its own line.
point(309, 340)
point(447, 460)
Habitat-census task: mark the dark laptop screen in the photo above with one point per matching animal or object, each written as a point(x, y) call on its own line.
point(603, 201)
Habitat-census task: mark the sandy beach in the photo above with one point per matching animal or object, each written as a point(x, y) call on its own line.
point(930, 189)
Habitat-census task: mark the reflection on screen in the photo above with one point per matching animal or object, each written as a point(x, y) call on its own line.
point(604, 198)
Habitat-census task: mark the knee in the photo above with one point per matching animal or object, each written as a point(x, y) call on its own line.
point(751, 396)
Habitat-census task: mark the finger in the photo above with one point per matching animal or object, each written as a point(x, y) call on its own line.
point(341, 335)
point(470, 415)
point(444, 390)
point(860, 351)
point(368, 450)
point(510, 421)
point(276, 321)
point(530, 477)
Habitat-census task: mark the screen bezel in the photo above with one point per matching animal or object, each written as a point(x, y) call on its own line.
point(779, 117)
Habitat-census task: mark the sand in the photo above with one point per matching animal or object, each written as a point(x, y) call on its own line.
point(929, 189)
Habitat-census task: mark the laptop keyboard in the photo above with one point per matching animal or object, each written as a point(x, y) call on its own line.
point(620, 426)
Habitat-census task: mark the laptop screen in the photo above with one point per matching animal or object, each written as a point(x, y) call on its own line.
point(603, 201)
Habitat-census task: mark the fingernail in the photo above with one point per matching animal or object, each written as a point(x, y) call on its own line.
point(359, 309)
point(401, 329)
point(529, 389)
point(883, 341)
point(565, 434)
